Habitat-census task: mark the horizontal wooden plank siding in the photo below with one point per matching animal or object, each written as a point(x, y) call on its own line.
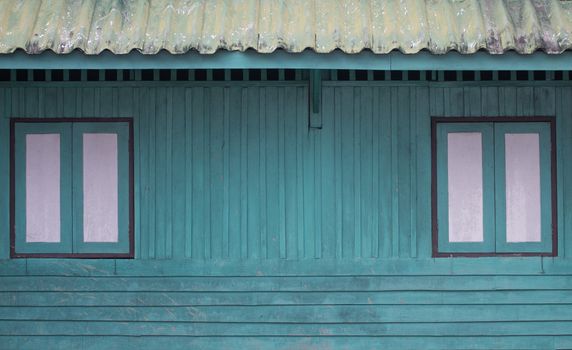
point(255, 230)
point(281, 312)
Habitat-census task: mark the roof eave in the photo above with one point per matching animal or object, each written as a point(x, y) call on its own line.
point(282, 59)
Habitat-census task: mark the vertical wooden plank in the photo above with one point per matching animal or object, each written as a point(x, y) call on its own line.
point(206, 168)
point(127, 104)
point(339, 165)
point(563, 149)
point(308, 155)
point(87, 97)
point(262, 146)
point(41, 103)
point(106, 102)
point(168, 196)
point(216, 171)
point(226, 174)
point(152, 173)
point(50, 104)
point(179, 182)
point(281, 170)
point(144, 166)
point(375, 171)
point(423, 173)
point(234, 219)
point(60, 102)
point(403, 185)
point(385, 172)
point(69, 102)
point(5, 108)
point(97, 102)
point(490, 101)
point(347, 165)
point(453, 101)
point(244, 174)
point(436, 96)
point(301, 118)
point(16, 110)
point(395, 142)
point(367, 211)
point(472, 101)
point(356, 200)
point(31, 101)
point(507, 101)
point(198, 171)
point(327, 165)
point(272, 218)
point(544, 101)
point(317, 189)
point(413, 170)
point(290, 174)
point(189, 203)
point(161, 140)
point(524, 101)
point(253, 173)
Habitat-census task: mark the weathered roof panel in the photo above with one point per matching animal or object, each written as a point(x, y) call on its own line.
point(381, 26)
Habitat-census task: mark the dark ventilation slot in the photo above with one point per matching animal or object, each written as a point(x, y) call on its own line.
point(361, 75)
point(539, 75)
point(272, 74)
point(182, 75)
point(147, 75)
point(236, 74)
point(218, 74)
point(468, 75)
point(254, 75)
point(378, 75)
point(75, 75)
point(396, 75)
point(450, 75)
point(200, 74)
point(92, 75)
point(487, 75)
point(343, 74)
point(164, 75)
point(504, 75)
point(522, 75)
point(290, 74)
point(414, 75)
point(39, 75)
point(21, 75)
point(5, 75)
point(57, 75)
point(110, 75)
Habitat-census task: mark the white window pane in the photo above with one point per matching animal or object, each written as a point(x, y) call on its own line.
point(42, 188)
point(522, 161)
point(465, 174)
point(100, 223)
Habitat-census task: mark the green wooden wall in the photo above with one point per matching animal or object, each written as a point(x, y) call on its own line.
point(255, 231)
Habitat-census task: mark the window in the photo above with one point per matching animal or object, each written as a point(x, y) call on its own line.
point(494, 186)
point(71, 188)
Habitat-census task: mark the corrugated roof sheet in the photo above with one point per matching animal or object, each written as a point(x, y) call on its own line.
point(381, 26)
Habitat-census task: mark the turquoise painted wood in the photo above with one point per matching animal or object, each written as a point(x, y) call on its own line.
point(543, 132)
point(307, 59)
point(486, 130)
point(122, 132)
point(255, 231)
point(65, 241)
